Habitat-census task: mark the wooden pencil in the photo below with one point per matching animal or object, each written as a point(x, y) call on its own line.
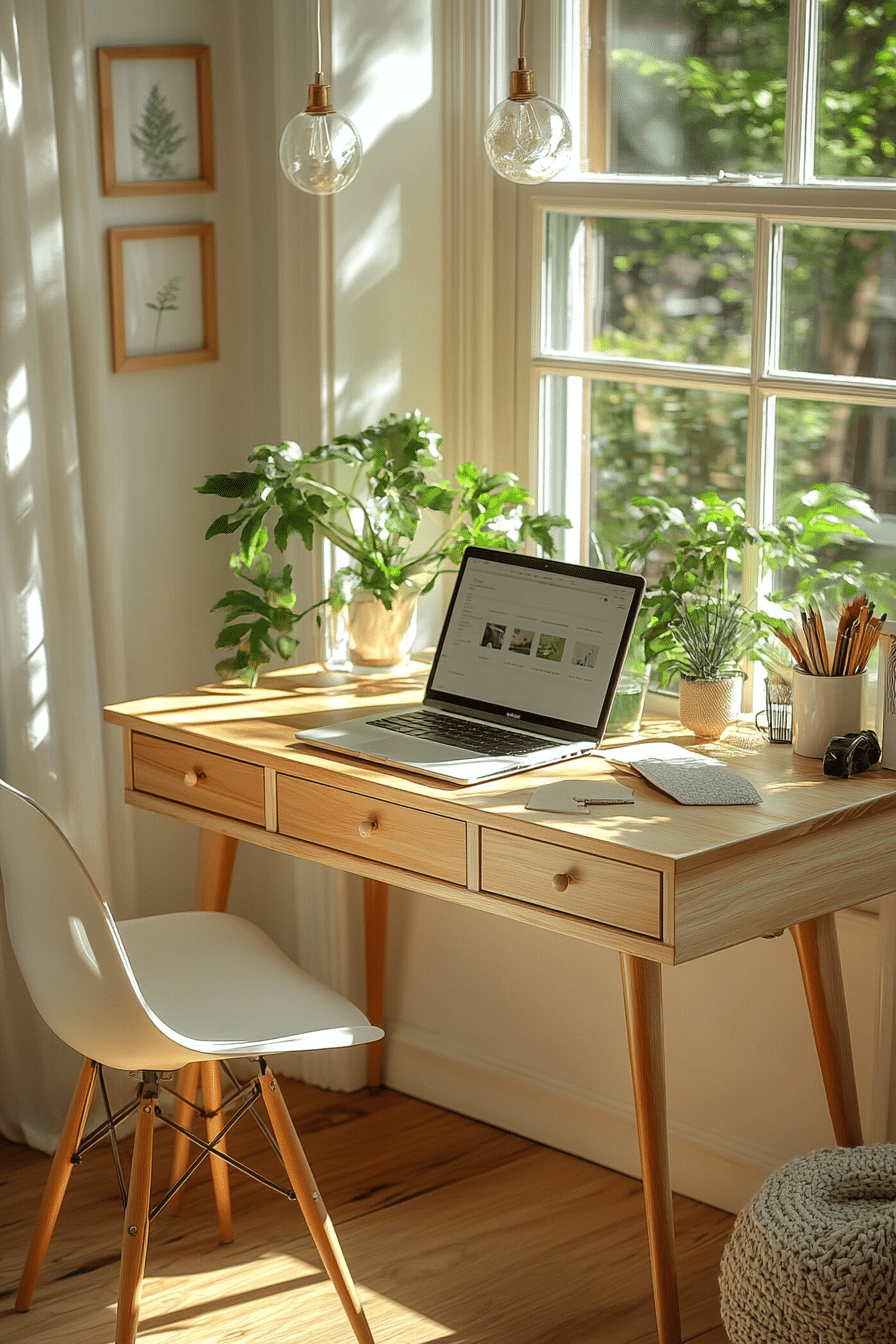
point(858, 631)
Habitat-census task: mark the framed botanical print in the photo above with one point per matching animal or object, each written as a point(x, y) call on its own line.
point(155, 120)
point(162, 287)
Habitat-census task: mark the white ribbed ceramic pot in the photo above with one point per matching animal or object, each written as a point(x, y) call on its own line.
point(708, 707)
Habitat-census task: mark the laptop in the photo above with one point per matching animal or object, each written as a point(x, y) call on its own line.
point(523, 675)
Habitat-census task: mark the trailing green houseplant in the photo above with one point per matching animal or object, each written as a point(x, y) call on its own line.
point(702, 553)
point(369, 494)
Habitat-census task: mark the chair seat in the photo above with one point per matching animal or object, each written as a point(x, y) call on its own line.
point(812, 1257)
point(150, 996)
point(224, 989)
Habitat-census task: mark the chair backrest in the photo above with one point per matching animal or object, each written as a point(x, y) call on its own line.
point(65, 939)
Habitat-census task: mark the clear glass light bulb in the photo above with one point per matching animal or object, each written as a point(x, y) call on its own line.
point(528, 138)
point(320, 152)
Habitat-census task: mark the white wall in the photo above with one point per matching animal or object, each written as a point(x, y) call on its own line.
point(485, 1016)
point(170, 427)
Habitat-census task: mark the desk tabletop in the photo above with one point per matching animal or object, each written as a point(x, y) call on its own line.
point(260, 724)
point(832, 830)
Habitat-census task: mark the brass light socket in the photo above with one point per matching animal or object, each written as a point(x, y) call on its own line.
point(319, 98)
point(522, 85)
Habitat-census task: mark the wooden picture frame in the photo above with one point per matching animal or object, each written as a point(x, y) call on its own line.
point(164, 301)
point(155, 108)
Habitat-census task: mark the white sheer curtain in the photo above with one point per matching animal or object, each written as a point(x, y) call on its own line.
point(51, 392)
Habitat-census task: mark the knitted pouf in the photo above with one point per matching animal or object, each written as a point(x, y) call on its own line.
point(812, 1258)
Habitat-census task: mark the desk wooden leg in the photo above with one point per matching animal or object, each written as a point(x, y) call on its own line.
point(819, 954)
point(216, 858)
point(376, 905)
point(217, 853)
point(643, 993)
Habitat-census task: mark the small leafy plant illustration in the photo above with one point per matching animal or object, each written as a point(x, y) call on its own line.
point(157, 136)
point(165, 303)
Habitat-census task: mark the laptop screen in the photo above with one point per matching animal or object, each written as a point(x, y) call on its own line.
point(535, 639)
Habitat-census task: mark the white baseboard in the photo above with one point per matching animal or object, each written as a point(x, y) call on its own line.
point(706, 1165)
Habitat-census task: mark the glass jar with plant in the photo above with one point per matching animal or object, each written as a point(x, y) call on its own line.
point(375, 496)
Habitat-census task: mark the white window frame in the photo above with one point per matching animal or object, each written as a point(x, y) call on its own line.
point(520, 213)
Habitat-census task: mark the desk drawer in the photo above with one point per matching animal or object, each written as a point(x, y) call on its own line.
point(387, 832)
point(198, 778)
point(618, 894)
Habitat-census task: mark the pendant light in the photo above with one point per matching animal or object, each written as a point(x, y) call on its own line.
point(527, 138)
point(320, 149)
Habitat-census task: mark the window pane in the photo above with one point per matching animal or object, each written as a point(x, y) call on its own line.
point(838, 310)
point(674, 290)
point(821, 441)
point(696, 88)
point(818, 441)
point(669, 441)
point(856, 117)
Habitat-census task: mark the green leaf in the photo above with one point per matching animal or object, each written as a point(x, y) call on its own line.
point(231, 485)
point(222, 525)
point(379, 496)
point(286, 646)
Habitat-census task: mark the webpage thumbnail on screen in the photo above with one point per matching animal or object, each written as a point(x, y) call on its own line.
point(534, 641)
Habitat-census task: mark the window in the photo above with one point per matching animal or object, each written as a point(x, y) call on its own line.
point(714, 295)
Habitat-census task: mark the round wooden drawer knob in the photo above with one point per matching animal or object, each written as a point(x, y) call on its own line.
point(367, 828)
point(560, 881)
point(192, 778)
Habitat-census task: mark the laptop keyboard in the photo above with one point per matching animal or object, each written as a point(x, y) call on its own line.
point(484, 738)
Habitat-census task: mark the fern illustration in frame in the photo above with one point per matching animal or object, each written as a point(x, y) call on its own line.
point(155, 106)
point(162, 288)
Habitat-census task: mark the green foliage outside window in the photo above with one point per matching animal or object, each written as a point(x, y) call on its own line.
point(724, 95)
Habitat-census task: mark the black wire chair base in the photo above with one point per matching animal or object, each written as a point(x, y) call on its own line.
point(245, 1097)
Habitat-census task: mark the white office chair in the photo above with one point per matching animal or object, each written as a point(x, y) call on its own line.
point(150, 996)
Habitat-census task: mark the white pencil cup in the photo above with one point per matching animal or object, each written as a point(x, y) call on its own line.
point(824, 707)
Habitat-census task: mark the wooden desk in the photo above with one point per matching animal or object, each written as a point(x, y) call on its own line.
point(657, 882)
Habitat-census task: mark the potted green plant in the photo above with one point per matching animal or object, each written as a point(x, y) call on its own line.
point(711, 637)
point(375, 496)
point(697, 558)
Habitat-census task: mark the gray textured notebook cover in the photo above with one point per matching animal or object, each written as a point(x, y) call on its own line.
point(695, 781)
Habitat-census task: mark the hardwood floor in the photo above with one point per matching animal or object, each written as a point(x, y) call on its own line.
point(453, 1231)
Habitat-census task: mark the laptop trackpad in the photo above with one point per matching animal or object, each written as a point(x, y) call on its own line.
point(397, 747)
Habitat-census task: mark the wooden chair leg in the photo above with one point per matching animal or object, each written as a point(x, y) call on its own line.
point(211, 1095)
point(188, 1086)
point(217, 854)
point(57, 1181)
point(135, 1237)
point(819, 955)
point(312, 1206)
